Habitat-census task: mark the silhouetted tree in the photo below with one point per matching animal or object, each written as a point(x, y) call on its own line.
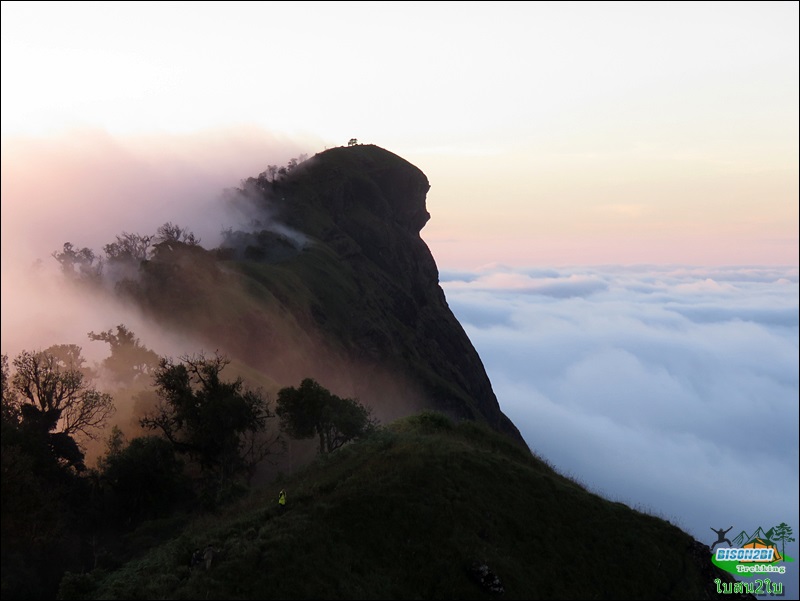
point(128, 249)
point(220, 425)
point(43, 498)
point(54, 399)
point(170, 232)
point(140, 480)
point(352, 142)
point(312, 410)
point(79, 263)
point(10, 407)
point(130, 360)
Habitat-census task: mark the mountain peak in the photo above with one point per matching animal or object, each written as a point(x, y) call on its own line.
point(337, 284)
point(368, 205)
point(398, 187)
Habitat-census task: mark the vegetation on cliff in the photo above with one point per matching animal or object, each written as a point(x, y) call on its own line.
point(424, 508)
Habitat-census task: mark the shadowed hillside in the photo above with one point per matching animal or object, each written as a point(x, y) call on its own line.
point(424, 509)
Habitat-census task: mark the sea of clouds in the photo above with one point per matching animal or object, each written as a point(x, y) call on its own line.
point(672, 389)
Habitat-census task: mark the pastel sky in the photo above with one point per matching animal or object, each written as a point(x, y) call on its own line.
point(552, 133)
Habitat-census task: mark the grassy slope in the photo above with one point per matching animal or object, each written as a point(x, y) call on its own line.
point(404, 515)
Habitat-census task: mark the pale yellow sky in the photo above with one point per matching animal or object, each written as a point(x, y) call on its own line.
point(552, 133)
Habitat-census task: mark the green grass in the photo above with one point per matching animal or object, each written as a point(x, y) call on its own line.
point(405, 514)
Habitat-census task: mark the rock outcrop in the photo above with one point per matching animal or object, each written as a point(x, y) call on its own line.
point(368, 205)
point(334, 282)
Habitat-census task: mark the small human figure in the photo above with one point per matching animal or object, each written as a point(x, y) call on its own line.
point(721, 534)
point(197, 558)
point(282, 500)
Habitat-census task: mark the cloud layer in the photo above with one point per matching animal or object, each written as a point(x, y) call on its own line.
point(671, 389)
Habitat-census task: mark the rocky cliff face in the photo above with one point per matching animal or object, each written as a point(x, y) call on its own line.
point(369, 206)
point(336, 283)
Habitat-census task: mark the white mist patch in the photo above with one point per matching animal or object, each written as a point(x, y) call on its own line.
point(41, 308)
point(86, 187)
point(251, 211)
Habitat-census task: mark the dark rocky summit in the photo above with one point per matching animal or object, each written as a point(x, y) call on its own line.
point(334, 282)
point(368, 205)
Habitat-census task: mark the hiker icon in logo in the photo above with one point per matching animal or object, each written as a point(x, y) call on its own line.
point(721, 534)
